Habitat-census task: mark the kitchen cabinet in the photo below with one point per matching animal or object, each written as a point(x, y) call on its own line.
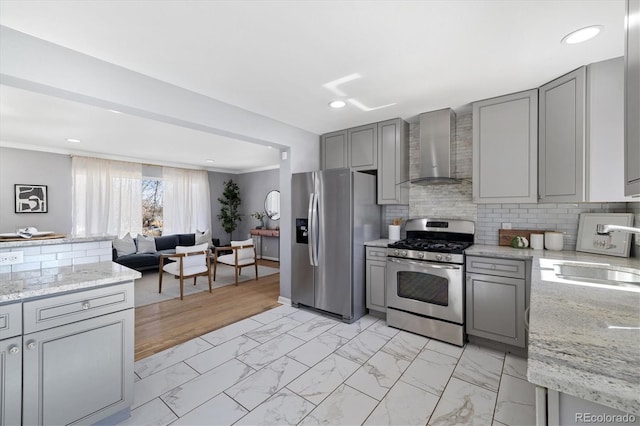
point(632, 99)
point(555, 408)
point(363, 147)
point(393, 161)
point(505, 149)
point(581, 138)
point(10, 364)
point(355, 148)
point(381, 147)
point(496, 299)
point(334, 152)
point(376, 270)
point(77, 362)
point(561, 138)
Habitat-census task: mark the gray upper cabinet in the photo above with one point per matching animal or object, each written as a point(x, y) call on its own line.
point(363, 147)
point(334, 151)
point(581, 135)
point(380, 146)
point(561, 138)
point(632, 100)
point(505, 149)
point(393, 161)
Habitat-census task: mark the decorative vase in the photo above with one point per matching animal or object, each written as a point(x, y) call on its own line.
point(261, 224)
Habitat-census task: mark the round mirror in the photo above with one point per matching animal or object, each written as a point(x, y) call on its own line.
point(272, 205)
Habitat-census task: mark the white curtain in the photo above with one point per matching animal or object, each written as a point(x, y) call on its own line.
point(186, 205)
point(107, 197)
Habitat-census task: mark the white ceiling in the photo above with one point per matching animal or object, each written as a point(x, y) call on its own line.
point(275, 57)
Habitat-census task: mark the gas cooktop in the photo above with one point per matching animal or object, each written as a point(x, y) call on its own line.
point(441, 246)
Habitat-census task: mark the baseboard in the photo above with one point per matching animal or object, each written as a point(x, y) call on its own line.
point(284, 300)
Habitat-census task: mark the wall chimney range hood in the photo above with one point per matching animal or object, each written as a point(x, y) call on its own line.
point(437, 151)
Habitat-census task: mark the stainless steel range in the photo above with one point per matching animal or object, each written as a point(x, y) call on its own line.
point(425, 278)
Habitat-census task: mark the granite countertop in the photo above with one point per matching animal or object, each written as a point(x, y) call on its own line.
point(378, 243)
point(27, 242)
point(584, 340)
point(18, 286)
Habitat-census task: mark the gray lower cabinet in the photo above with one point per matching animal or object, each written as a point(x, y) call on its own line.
point(505, 149)
point(393, 162)
point(10, 381)
point(10, 363)
point(632, 99)
point(334, 151)
point(496, 299)
point(80, 372)
point(77, 356)
point(376, 271)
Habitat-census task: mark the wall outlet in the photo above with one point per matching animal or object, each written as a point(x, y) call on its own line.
point(506, 225)
point(11, 258)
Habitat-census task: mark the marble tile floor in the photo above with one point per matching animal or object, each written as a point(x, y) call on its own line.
point(294, 366)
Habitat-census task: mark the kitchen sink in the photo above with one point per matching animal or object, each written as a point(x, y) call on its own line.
point(599, 274)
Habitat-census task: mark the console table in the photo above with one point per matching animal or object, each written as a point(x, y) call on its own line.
point(270, 233)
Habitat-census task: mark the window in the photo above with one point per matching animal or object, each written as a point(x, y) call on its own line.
point(152, 196)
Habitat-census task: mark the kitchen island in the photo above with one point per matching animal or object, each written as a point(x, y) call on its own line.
point(584, 338)
point(66, 333)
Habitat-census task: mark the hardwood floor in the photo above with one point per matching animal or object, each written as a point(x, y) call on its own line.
point(162, 325)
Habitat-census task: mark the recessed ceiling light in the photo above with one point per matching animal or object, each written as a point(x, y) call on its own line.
point(337, 104)
point(269, 147)
point(210, 161)
point(73, 140)
point(115, 111)
point(582, 34)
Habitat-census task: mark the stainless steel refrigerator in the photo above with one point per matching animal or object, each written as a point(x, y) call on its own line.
point(334, 213)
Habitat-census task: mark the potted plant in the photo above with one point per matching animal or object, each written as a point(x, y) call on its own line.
point(229, 212)
point(260, 216)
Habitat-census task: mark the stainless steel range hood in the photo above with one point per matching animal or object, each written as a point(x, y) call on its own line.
point(437, 151)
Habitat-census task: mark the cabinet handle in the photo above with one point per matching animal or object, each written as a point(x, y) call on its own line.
point(31, 345)
point(85, 305)
point(14, 349)
point(526, 318)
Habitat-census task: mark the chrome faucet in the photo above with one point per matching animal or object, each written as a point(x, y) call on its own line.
point(606, 229)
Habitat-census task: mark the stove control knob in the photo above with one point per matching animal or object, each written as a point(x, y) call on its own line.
point(396, 252)
point(438, 257)
point(448, 258)
point(404, 253)
point(421, 255)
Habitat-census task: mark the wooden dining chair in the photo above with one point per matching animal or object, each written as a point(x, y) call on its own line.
point(244, 254)
point(189, 262)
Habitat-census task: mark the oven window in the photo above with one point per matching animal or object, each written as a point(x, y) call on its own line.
point(423, 287)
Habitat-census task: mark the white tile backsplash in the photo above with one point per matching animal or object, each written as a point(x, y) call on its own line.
point(56, 255)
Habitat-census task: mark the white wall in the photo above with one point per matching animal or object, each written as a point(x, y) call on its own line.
point(33, 64)
point(18, 166)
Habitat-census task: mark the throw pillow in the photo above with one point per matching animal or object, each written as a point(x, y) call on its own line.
point(245, 253)
point(203, 237)
point(146, 244)
point(124, 245)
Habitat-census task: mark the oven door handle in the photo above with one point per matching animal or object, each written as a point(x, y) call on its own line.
point(422, 264)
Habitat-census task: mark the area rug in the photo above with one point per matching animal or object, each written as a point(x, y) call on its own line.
point(146, 288)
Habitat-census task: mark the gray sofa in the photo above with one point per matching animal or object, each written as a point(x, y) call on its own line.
point(165, 244)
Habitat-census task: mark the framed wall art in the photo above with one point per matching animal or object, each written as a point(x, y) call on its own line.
point(616, 243)
point(31, 198)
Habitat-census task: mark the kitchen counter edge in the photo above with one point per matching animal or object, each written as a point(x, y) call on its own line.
point(378, 243)
point(19, 286)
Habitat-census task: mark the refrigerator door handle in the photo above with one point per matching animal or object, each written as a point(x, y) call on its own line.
point(311, 228)
point(315, 230)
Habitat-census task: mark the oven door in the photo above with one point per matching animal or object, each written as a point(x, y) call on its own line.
point(434, 290)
